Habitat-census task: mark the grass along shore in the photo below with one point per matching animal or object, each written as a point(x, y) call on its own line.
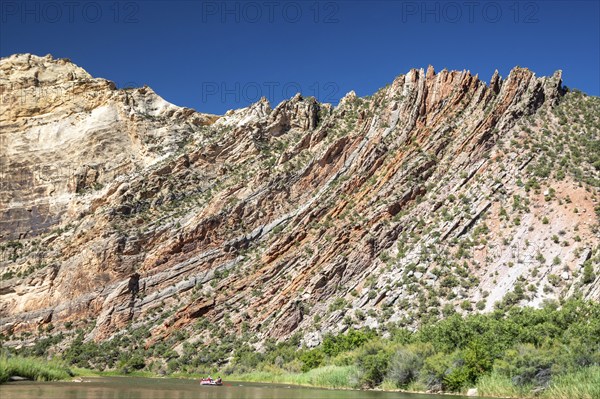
point(334, 377)
point(33, 369)
point(580, 384)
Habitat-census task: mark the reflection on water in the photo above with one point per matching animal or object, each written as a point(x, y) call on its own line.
point(155, 388)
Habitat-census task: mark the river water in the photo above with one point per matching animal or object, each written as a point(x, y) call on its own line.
point(156, 388)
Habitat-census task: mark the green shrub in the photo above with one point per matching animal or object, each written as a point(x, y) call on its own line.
point(333, 345)
point(247, 357)
point(435, 370)
point(588, 273)
point(312, 359)
point(405, 365)
point(372, 361)
point(477, 360)
point(527, 365)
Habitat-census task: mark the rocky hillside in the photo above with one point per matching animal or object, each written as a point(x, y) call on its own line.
point(439, 193)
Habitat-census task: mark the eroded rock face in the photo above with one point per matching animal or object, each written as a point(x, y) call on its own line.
point(65, 133)
point(380, 209)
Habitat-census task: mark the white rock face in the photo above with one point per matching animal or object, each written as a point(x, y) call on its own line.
point(77, 133)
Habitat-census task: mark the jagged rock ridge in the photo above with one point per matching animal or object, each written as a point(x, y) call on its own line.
point(432, 194)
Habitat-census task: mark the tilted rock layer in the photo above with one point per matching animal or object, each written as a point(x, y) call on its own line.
point(439, 192)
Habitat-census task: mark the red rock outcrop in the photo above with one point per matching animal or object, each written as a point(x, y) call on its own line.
point(380, 209)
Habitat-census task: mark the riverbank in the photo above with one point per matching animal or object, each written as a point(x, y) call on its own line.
point(580, 384)
point(33, 369)
point(550, 352)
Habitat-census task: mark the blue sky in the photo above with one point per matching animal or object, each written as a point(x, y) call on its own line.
point(217, 55)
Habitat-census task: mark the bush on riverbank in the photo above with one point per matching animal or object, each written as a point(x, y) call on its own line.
point(32, 368)
point(520, 352)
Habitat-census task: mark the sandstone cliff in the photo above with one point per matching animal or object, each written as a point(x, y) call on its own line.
point(439, 192)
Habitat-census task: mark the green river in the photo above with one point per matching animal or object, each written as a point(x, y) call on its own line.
point(157, 388)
